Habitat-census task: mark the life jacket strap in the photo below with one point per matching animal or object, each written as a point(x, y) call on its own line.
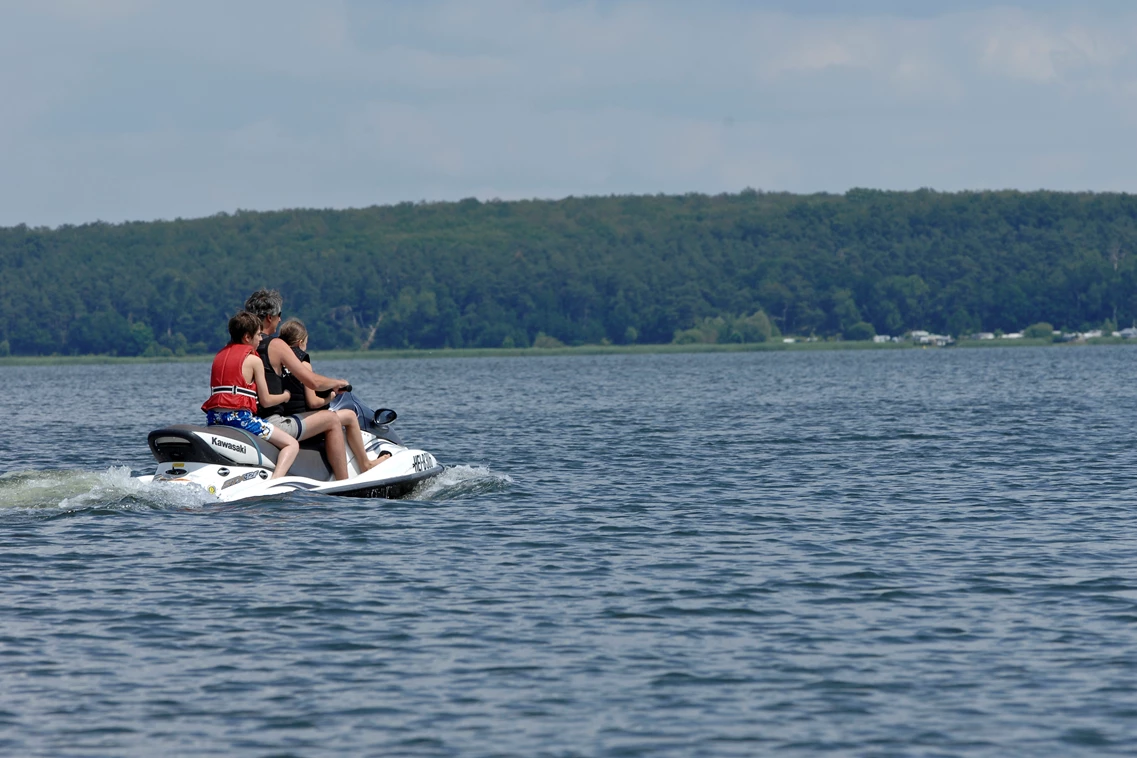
point(233, 390)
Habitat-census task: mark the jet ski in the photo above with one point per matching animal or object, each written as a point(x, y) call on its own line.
point(233, 464)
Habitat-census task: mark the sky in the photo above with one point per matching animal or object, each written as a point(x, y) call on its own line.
point(116, 110)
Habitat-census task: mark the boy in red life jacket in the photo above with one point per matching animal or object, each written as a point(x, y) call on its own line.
point(237, 380)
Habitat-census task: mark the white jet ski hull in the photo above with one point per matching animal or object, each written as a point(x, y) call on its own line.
point(393, 478)
point(232, 464)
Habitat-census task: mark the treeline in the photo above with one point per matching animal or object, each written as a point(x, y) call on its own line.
point(650, 269)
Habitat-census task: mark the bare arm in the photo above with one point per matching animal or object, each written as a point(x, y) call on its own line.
point(280, 352)
point(315, 401)
point(254, 364)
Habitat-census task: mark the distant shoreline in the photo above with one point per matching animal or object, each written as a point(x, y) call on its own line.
point(502, 352)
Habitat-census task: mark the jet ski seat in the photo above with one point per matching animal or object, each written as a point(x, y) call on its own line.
point(178, 443)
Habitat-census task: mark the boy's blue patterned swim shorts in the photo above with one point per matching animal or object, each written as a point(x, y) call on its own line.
point(242, 420)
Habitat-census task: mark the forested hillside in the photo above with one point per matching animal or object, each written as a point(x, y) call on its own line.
point(581, 270)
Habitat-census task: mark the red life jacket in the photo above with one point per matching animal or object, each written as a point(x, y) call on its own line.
point(228, 388)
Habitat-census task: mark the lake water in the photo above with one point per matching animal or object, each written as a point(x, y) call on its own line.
point(881, 553)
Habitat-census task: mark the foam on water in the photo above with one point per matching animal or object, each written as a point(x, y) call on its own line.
point(43, 489)
point(82, 490)
point(462, 480)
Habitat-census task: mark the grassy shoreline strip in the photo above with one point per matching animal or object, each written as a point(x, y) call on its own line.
point(489, 352)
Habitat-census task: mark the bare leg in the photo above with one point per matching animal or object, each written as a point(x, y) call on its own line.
point(355, 439)
point(289, 449)
point(337, 453)
point(328, 424)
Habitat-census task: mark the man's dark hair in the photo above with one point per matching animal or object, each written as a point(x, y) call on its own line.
point(242, 325)
point(264, 303)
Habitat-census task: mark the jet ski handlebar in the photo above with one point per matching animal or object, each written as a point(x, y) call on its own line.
point(345, 399)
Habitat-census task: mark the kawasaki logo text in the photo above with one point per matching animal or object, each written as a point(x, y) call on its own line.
point(235, 447)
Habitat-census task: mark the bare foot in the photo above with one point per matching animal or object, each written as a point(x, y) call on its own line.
point(372, 464)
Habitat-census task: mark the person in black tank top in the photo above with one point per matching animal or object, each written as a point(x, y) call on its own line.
point(278, 383)
point(294, 333)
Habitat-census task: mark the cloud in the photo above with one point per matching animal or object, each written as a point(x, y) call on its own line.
point(1019, 46)
point(90, 12)
point(802, 47)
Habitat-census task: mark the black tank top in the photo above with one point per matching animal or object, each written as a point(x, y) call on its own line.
point(277, 383)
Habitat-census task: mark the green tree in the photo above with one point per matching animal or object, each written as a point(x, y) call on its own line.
point(1041, 330)
point(860, 331)
point(753, 328)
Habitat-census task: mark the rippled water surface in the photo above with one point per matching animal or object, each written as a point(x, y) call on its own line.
point(851, 553)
